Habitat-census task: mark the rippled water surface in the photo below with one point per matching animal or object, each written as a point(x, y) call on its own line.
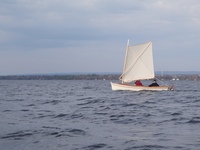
point(87, 115)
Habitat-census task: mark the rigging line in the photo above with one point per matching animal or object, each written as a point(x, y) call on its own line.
point(161, 81)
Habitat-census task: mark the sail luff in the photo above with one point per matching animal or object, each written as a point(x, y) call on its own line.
point(124, 68)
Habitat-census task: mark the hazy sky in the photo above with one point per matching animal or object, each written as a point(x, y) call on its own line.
point(59, 36)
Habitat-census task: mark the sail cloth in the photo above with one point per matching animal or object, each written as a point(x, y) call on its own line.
point(138, 64)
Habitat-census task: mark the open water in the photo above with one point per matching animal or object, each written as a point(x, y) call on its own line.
point(87, 115)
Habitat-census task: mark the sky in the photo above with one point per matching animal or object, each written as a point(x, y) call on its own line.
point(66, 36)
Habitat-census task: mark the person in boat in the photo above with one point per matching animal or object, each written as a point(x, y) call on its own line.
point(154, 83)
point(138, 83)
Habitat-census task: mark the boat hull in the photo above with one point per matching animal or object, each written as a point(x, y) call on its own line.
point(119, 86)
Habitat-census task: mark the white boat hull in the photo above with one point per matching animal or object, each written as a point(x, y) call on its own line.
point(119, 86)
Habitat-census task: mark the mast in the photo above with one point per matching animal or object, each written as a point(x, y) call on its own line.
point(125, 61)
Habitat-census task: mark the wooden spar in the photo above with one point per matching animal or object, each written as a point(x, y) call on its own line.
point(125, 62)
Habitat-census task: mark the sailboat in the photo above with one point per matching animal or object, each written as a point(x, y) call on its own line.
point(138, 65)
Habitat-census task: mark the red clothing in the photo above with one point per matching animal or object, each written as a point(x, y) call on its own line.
point(138, 83)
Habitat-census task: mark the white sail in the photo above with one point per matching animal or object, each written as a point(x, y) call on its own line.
point(138, 63)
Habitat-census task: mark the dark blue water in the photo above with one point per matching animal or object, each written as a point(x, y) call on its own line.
point(87, 115)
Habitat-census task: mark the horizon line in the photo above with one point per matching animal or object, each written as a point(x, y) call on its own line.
point(100, 73)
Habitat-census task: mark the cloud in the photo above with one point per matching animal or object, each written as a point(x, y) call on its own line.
point(99, 29)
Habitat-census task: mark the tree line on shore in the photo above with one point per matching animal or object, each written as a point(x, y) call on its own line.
point(195, 77)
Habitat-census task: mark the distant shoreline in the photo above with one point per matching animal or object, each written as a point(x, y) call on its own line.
point(95, 76)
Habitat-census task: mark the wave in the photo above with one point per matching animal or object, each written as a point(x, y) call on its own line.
point(95, 146)
point(18, 135)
